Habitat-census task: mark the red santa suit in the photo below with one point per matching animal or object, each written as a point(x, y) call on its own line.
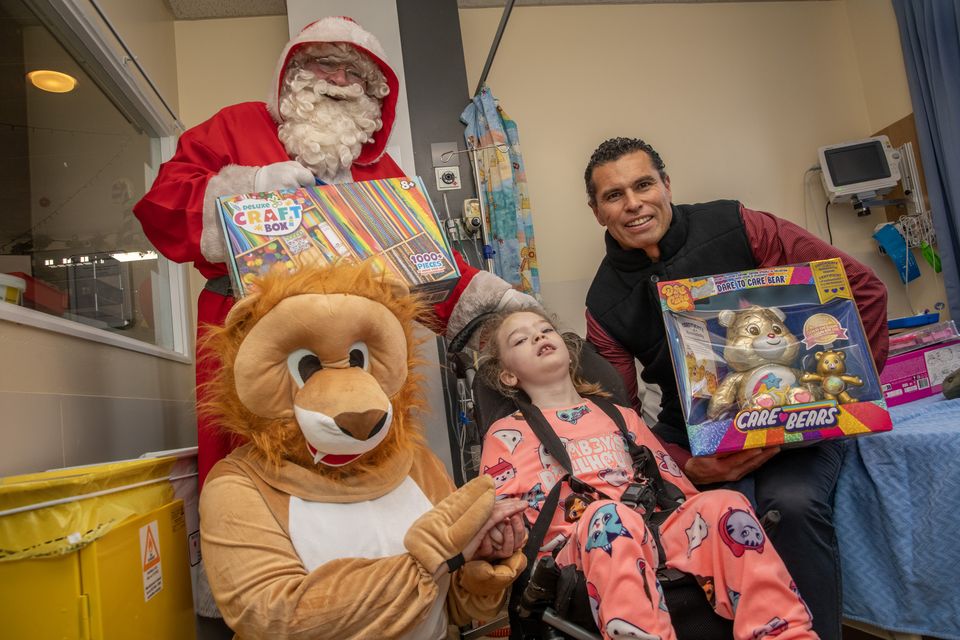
point(221, 157)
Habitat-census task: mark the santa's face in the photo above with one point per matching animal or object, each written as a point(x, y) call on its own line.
point(341, 74)
point(328, 115)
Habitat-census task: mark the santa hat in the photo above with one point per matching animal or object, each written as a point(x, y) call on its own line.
point(341, 29)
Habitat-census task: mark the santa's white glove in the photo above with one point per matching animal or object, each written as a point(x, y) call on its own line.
point(235, 179)
point(513, 299)
point(283, 175)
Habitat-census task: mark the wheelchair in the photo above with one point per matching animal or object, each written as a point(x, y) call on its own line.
point(546, 603)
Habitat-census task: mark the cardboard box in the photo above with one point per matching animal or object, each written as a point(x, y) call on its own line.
point(919, 374)
point(131, 584)
point(391, 219)
point(771, 357)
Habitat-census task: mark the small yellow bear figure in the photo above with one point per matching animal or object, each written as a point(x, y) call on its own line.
point(831, 374)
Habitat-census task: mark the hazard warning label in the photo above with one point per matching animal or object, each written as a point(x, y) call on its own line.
point(150, 557)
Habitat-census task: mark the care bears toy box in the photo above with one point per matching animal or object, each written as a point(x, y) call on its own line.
point(770, 357)
point(391, 218)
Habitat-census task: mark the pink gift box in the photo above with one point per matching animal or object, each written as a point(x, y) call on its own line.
point(918, 374)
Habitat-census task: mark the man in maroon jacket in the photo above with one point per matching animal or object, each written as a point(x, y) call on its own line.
point(648, 239)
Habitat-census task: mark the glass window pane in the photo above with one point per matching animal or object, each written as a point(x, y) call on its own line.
point(71, 168)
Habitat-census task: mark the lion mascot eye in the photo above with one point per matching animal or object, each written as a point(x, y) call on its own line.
point(303, 364)
point(359, 355)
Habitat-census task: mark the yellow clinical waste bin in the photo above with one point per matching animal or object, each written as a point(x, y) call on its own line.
point(129, 582)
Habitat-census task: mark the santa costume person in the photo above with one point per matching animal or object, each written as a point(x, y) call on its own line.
point(328, 118)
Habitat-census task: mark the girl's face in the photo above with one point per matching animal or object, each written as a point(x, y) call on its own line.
point(531, 351)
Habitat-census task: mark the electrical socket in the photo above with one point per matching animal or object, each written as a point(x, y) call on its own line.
point(448, 178)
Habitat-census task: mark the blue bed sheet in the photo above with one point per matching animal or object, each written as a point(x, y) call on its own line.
point(898, 521)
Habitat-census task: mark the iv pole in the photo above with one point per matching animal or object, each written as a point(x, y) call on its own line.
point(496, 44)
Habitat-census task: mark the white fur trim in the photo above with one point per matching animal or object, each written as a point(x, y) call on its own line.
point(330, 29)
point(485, 292)
point(232, 180)
point(514, 299)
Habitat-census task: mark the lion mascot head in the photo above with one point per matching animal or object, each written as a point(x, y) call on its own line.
point(317, 369)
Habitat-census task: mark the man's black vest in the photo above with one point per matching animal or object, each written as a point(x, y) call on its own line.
point(703, 239)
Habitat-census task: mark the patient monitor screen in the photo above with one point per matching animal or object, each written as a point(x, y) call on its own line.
point(857, 163)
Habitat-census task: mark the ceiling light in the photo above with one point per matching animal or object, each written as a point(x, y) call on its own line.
point(52, 81)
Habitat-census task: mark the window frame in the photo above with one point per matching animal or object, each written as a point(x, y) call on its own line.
point(84, 31)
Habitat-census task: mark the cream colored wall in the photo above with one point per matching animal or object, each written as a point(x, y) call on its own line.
point(68, 401)
point(206, 84)
point(737, 97)
point(223, 62)
point(876, 43)
point(147, 28)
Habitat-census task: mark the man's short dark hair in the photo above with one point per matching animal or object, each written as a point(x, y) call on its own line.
point(614, 149)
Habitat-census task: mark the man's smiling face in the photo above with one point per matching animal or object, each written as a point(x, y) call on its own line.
point(633, 202)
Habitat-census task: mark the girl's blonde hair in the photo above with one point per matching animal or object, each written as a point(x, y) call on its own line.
point(491, 366)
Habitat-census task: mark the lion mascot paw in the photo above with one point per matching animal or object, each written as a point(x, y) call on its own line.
point(334, 520)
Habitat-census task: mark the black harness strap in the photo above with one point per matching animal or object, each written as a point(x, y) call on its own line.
point(665, 495)
point(668, 495)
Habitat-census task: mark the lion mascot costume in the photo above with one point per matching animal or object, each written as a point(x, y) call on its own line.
point(334, 520)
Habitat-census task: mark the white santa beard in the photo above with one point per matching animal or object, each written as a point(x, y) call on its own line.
point(324, 133)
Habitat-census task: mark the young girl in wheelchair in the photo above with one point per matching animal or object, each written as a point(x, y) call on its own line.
point(609, 521)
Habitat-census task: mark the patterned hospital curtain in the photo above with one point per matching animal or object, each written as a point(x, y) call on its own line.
point(503, 186)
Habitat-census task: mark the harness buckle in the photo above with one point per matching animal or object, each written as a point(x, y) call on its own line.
point(640, 495)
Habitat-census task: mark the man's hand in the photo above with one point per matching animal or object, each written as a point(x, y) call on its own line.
point(503, 533)
point(727, 467)
point(283, 175)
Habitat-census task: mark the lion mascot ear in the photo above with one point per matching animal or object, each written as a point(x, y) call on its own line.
point(242, 309)
point(397, 286)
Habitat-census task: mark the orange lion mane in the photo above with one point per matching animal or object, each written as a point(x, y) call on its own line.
point(280, 439)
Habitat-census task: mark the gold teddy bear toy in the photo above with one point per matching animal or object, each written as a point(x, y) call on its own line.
point(832, 376)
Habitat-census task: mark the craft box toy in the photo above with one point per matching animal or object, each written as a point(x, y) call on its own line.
point(391, 220)
point(920, 373)
point(771, 357)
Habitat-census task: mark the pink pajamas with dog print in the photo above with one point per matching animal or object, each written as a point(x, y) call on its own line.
point(714, 535)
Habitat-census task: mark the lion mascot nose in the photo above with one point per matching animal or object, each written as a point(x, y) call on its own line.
point(361, 425)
